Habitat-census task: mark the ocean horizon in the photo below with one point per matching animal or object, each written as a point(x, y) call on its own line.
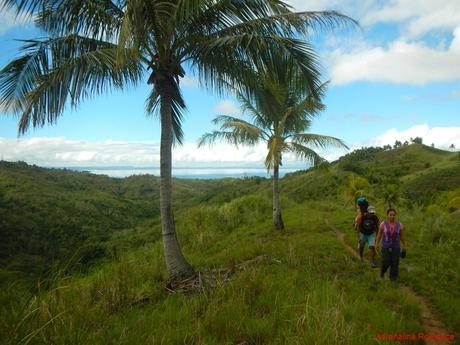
point(187, 172)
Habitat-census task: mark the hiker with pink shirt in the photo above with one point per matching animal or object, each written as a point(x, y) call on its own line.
point(391, 238)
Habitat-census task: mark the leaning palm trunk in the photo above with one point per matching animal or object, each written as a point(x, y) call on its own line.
point(176, 264)
point(277, 219)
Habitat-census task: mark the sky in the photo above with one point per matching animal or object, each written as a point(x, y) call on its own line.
point(395, 77)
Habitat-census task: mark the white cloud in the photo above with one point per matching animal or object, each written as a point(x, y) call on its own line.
point(453, 95)
point(8, 20)
point(227, 107)
point(402, 62)
point(409, 58)
point(441, 137)
point(189, 82)
point(60, 152)
point(347, 7)
point(418, 16)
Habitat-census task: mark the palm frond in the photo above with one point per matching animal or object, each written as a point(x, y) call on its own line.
point(51, 72)
point(252, 31)
point(317, 140)
point(258, 115)
point(233, 137)
point(96, 19)
point(247, 132)
point(298, 118)
point(178, 107)
point(273, 17)
point(248, 52)
point(305, 153)
point(148, 25)
point(310, 106)
point(23, 7)
point(275, 146)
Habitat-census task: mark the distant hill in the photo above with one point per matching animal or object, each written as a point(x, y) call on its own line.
point(47, 214)
point(403, 161)
point(410, 167)
point(91, 250)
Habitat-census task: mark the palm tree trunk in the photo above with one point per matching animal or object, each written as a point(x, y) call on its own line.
point(176, 264)
point(277, 219)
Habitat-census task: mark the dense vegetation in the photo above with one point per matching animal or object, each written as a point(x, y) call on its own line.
point(264, 287)
point(46, 214)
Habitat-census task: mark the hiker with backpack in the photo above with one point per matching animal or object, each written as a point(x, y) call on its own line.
point(391, 238)
point(366, 226)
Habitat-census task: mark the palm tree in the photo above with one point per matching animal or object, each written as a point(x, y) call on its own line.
point(391, 194)
point(93, 46)
point(281, 113)
point(356, 187)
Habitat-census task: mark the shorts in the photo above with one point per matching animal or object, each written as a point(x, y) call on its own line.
point(369, 239)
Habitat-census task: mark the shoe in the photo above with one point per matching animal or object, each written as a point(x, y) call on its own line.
point(373, 265)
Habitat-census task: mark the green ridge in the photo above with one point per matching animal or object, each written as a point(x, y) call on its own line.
point(93, 244)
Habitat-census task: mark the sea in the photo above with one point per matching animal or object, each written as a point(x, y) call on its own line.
point(189, 172)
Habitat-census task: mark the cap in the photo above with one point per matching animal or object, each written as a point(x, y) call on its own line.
point(371, 209)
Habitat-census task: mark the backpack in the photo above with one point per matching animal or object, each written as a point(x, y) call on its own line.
point(367, 225)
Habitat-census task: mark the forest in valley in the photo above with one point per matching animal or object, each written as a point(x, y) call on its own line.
point(81, 254)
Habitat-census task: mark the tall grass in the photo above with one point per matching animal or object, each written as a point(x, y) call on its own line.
point(432, 265)
point(305, 289)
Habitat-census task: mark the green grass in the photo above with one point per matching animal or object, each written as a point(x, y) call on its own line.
point(305, 289)
point(432, 266)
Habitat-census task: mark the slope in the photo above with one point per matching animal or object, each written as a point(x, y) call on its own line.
point(296, 287)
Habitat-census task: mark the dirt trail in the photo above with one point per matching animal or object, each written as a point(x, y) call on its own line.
point(430, 323)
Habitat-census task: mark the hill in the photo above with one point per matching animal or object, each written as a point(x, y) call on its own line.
point(260, 286)
point(46, 214)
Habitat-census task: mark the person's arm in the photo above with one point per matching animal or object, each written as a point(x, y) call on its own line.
point(377, 223)
point(357, 228)
point(379, 236)
point(402, 238)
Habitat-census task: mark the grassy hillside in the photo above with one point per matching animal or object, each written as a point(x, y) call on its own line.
point(260, 286)
point(46, 214)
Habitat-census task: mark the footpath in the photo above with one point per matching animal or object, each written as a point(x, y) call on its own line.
point(431, 324)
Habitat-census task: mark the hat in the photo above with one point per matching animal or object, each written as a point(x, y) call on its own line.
point(361, 200)
point(371, 209)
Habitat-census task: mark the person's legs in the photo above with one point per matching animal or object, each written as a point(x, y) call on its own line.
point(371, 244)
point(361, 246)
point(386, 261)
point(394, 270)
point(372, 256)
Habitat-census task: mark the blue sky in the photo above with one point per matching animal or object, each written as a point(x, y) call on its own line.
point(394, 78)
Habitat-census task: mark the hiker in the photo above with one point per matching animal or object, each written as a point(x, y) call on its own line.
point(391, 235)
point(366, 226)
point(362, 204)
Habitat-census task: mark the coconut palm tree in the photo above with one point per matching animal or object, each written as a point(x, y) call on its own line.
point(281, 113)
point(391, 194)
point(95, 45)
point(355, 188)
